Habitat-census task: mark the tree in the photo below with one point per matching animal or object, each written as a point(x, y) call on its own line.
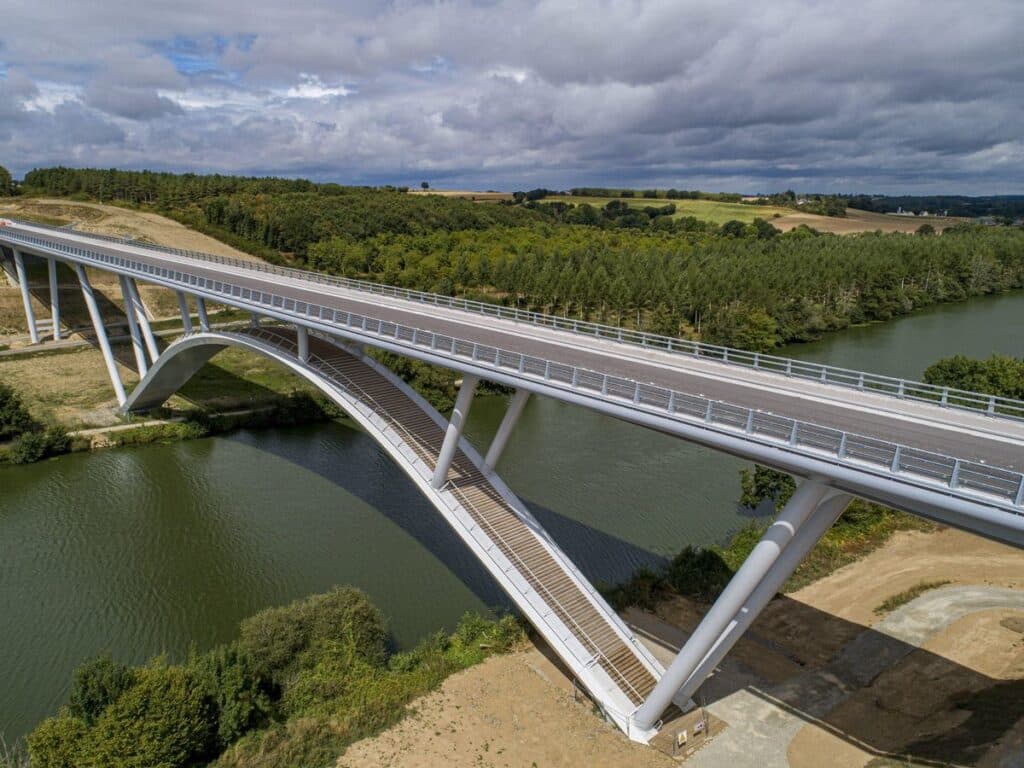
point(95, 686)
point(6, 183)
point(926, 229)
point(424, 185)
point(14, 416)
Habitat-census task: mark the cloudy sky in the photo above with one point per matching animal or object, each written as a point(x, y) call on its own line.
point(818, 96)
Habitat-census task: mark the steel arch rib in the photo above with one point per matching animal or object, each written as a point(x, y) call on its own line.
point(587, 634)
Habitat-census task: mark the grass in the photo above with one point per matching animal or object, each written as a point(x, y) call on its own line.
point(904, 597)
point(705, 210)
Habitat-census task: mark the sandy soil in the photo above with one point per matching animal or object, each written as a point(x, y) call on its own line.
point(112, 220)
point(514, 710)
point(861, 221)
point(964, 685)
point(107, 220)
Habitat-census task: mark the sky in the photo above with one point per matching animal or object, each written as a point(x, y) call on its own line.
point(862, 96)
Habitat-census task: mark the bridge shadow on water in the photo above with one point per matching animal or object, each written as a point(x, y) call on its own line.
point(892, 699)
point(601, 557)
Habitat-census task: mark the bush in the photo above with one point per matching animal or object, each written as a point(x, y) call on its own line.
point(275, 637)
point(698, 572)
point(14, 416)
point(240, 696)
point(165, 720)
point(36, 445)
point(95, 686)
point(56, 742)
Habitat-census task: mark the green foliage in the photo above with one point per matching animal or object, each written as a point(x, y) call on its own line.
point(240, 697)
point(904, 597)
point(95, 686)
point(14, 416)
point(57, 742)
point(39, 444)
point(1000, 375)
point(764, 483)
point(335, 683)
point(276, 637)
point(165, 720)
point(6, 183)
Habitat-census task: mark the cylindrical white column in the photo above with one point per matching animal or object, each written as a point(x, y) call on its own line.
point(204, 319)
point(803, 542)
point(26, 297)
point(54, 298)
point(508, 423)
point(302, 334)
point(101, 333)
point(736, 592)
point(186, 318)
point(140, 316)
point(133, 327)
point(454, 431)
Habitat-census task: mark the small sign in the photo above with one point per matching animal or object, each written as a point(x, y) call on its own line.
point(681, 738)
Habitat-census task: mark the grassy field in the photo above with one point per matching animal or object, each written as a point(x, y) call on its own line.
point(705, 210)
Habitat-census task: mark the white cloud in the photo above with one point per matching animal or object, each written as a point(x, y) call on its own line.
point(916, 96)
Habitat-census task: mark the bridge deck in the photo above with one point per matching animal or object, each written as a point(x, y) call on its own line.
point(516, 537)
point(969, 436)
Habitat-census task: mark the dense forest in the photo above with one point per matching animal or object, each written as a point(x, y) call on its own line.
point(740, 284)
point(1000, 206)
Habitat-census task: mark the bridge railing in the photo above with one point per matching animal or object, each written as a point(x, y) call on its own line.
point(844, 448)
point(906, 389)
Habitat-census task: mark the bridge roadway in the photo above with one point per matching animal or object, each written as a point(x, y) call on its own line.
point(965, 435)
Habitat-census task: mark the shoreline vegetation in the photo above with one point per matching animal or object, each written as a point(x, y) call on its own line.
point(299, 684)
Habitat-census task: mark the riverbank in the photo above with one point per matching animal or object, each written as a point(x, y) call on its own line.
point(801, 688)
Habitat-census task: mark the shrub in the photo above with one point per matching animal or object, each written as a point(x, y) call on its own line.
point(240, 696)
point(275, 637)
point(14, 417)
point(96, 685)
point(36, 445)
point(56, 742)
point(165, 720)
point(698, 572)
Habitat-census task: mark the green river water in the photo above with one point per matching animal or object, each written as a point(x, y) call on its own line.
point(157, 549)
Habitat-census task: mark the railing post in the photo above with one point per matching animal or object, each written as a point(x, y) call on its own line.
point(895, 467)
point(302, 336)
point(750, 421)
point(794, 432)
point(954, 478)
point(1019, 501)
point(708, 412)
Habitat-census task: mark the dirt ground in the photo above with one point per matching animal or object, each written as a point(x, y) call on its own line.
point(106, 220)
point(467, 194)
point(862, 221)
point(957, 699)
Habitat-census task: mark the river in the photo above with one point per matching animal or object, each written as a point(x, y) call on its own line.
point(149, 550)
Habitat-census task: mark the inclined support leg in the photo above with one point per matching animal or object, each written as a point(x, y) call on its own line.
point(133, 328)
point(54, 298)
point(186, 318)
point(508, 423)
point(254, 320)
point(101, 333)
point(143, 321)
point(26, 298)
point(736, 593)
point(302, 334)
point(803, 542)
point(204, 319)
point(451, 436)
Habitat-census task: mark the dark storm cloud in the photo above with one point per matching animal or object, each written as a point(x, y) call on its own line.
point(921, 96)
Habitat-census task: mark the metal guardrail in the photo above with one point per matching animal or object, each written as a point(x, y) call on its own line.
point(844, 448)
point(906, 389)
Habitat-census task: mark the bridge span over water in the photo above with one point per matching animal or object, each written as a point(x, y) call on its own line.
point(950, 456)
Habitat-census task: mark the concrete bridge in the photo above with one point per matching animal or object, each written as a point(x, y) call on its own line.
point(950, 456)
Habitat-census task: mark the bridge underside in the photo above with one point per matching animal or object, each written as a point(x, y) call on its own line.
point(615, 668)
